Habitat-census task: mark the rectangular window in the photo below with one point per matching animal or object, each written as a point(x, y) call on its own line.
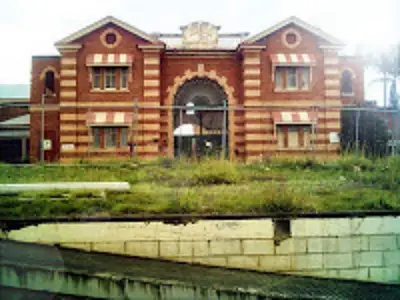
point(110, 78)
point(96, 74)
point(123, 137)
point(96, 137)
point(279, 78)
point(292, 78)
point(293, 136)
point(124, 78)
point(305, 78)
point(110, 137)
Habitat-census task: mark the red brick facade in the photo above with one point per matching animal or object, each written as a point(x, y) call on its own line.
point(244, 72)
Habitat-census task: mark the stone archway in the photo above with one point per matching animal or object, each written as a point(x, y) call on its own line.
point(179, 81)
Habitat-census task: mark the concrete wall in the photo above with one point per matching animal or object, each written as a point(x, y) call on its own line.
point(352, 248)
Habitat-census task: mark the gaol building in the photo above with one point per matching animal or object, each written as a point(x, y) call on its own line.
point(115, 91)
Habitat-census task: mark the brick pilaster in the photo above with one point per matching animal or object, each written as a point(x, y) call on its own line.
point(148, 131)
point(254, 137)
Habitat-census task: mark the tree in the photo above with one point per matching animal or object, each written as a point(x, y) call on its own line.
point(373, 134)
point(388, 64)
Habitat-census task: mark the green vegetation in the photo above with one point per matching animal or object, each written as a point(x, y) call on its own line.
point(210, 187)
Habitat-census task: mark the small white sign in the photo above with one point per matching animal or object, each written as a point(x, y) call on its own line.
point(47, 145)
point(67, 147)
point(334, 138)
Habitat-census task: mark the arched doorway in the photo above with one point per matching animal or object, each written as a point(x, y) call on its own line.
point(201, 121)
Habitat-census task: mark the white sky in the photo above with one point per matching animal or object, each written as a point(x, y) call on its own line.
point(30, 27)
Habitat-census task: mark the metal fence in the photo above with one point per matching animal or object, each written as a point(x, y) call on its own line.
point(375, 130)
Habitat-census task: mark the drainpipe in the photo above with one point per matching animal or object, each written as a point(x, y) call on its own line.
point(42, 130)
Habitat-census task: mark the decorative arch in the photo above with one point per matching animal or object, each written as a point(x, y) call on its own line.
point(351, 71)
point(47, 69)
point(200, 73)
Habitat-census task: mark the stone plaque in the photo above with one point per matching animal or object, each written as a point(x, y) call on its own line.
point(201, 35)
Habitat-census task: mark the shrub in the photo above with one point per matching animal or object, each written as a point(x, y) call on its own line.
point(215, 172)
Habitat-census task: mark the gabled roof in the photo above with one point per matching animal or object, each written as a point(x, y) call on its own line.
point(300, 23)
point(109, 19)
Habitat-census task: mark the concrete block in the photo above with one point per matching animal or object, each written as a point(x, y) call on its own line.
point(391, 225)
point(391, 258)
point(387, 274)
point(353, 244)
point(358, 274)
point(315, 245)
point(338, 261)
point(243, 229)
point(380, 243)
point(337, 227)
point(110, 247)
point(80, 246)
point(274, 263)
point(225, 247)
point(368, 259)
point(243, 262)
point(185, 248)
point(307, 261)
point(169, 248)
point(143, 248)
point(308, 227)
point(211, 261)
point(258, 247)
point(374, 225)
point(293, 245)
point(200, 248)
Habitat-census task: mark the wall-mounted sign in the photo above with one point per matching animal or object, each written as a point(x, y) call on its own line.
point(67, 147)
point(47, 145)
point(334, 138)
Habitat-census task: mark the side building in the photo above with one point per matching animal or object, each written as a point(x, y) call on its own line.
point(117, 92)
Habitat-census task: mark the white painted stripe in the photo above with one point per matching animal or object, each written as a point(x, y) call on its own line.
point(306, 58)
point(100, 117)
point(111, 58)
point(304, 116)
point(287, 116)
point(123, 58)
point(281, 58)
point(98, 58)
point(119, 117)
point(294, 58)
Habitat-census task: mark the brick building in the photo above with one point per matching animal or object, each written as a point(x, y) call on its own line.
point(116, 92)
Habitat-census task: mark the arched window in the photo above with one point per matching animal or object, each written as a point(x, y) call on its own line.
point(346, 85)
point(49, 82)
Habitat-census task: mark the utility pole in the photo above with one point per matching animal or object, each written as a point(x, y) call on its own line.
point(224, 131)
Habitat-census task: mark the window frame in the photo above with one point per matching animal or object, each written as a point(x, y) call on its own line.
point(107, 72)
point(123, 73)
point(95, 75)
point(350, 83)
point(119, 136)
point(304, 136)
point(281, 78)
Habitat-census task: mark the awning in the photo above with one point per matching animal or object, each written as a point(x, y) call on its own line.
point(292, 117)
point(279, 59)
point(109, 60)
point(120, 119)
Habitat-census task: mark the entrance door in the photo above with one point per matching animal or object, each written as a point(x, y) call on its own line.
point(200, 119)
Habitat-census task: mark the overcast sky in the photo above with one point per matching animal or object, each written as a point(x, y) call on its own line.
point(30, 27)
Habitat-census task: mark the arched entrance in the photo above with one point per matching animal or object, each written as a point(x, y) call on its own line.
point(200, 123)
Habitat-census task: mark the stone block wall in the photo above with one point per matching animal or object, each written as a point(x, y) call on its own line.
point(348, 248)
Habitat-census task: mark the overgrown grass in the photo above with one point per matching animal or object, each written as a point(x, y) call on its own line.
point(212, 187)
